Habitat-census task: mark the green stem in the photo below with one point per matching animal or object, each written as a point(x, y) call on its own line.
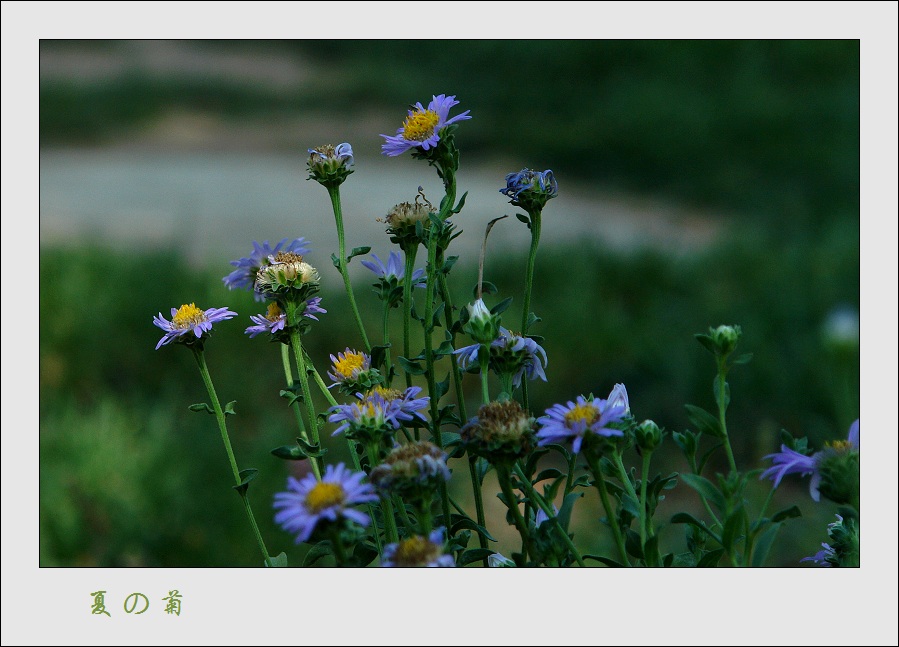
point(388, 367)
point(750, 540)
point(295, 405)
point(410, 251)
point(722, 407)
point(478, 500)
point(535, 497)
point(337, 545)
point(334, 192)
point(353, 454)
point(448, 315)
point(297, 345)
point(535, 224)
point(425, 521)
point(484, 357)
point(504, 477)
point(220, 418)
point(600, 483)
point(386, 506)
point(623, 475)
point(644, 504)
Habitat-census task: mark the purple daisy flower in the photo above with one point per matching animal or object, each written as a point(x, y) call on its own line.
point(789, 461)
point(348, 365)
point(189, 319)
point(402, 404)
point(422, 127)
point(274, 320)
point(309, 502)
point(823, 558)
point(394, 269)
point(370, 416)
point(418, 551)
point(509, 353)
point(574, 420)
point(244, 276)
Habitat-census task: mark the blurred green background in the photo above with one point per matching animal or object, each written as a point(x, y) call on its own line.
point(757, 141)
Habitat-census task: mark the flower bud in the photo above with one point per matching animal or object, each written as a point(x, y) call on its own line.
point(530, 190)
point(648, 435)
point(329, 165)
point(482, 326)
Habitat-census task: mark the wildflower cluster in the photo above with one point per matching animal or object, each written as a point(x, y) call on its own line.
point(402, 417)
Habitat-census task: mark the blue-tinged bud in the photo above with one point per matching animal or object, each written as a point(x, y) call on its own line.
point(330, 165)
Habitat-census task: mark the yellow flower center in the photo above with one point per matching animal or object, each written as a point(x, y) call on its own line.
point(415, 551)
point(325, 495)
point(274, 312)
point(387, 394)
point(840, 445)
point(188, 316)
point(420, 125)
point(582, 413)
point(349, 363)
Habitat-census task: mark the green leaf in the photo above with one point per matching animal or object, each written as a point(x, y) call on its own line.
point(441, 388)
point(668, 560)
point(312, 451)
point(632, 543)
point(245, 477)
point(726, 392)
point(364, 553)
point(711, 559)
point(564, 516)
point(501, 307)
point(229, 408)
point(475, 555)
point(523, 218)
point(291, 396)
point(704, 421)
point(486, 288)
point(707, 343)
point(448, 264)
point(413, 368)
point(745, 358)
point(683, 517)
point(278, 562)
point(604, 560)
point(461, 203)
point(446, 348)
point(705, 488)
point(335, 260)
point(201, 406)
point(789, 513)
point(532, 319)
point(705, 457)
point(651, 551)
point(549, 473)
point(358, 251)
point(471, 525)
point(321, 549)
point(763, 545)
point(631, 506)
point(378, 354)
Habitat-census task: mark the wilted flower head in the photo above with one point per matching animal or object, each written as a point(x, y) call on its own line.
point(189, 324)
point(287, 272)
point(580, 421)
point(511, 354)
point(501, 432)
point(844, 547)
point(422, 126)
point(412, 471)
point(372, 420)
point(330, 165)
point(418, 551)
point(275, 319)
point(310, 503)
point(244, 276)
point(529, 189)
point(834, 469)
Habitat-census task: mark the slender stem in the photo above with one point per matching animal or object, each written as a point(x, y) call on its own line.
point(410, 251)
point(425, 520)
point(535, 497)
point(220, 418)
point(600, 483)
point(388, 367)
point(337, 545)
point(334, 192)
point(484, 357)
point(428, 325)
point(386, 506)
point(288, 375)
point(722, 407)
point(504, 477)
point(478, 500)
point(644, 504)
point(750, 539)
point(297, 345)
point(623, 475)
point(535, 224)
point(448, 315)
point(353, 454)
point(401, 508)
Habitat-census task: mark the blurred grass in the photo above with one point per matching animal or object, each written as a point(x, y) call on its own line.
point(129, 476)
